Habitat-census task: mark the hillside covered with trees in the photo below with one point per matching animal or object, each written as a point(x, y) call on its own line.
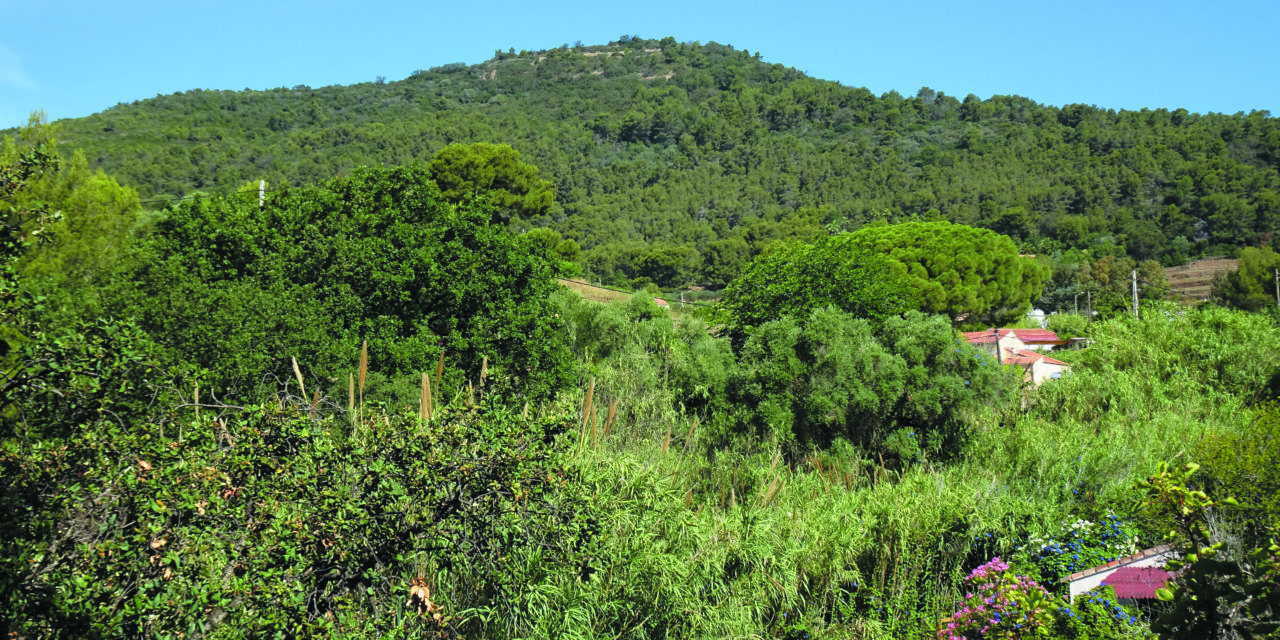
point(360, 405)
point(676, 162)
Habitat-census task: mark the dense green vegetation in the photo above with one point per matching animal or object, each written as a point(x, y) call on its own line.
point(360, 408)
point(677, 162)
point(957, 270)
point(380, 257)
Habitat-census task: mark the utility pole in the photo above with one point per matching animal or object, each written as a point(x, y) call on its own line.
point(1278, 287)
point(1134, 275)
point(262, 193)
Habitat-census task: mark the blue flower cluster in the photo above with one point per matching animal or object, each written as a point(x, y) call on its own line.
point(1083, 544)
point(1113, 609)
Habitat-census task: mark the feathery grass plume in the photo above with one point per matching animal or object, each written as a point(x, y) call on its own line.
point(608, 421)
point(666, 442)
point(302, 389)
point(693, 428)
point(471, 395)
point(586, 406)
point(364, 367)
point(484, 370)
point(315, 399)
point(771, 492)
point(440, 369)
point(351, 392)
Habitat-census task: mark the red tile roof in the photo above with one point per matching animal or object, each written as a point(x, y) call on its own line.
point(1027, 336)
point(983, 337)
point(1027, 357)
point(1145, 553)
point(1138, 582)
point(1030, 336)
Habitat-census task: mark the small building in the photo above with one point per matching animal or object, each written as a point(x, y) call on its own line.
point(1038, 316)
point(1135, 578)
point(1015, 339)
point(1036, 366)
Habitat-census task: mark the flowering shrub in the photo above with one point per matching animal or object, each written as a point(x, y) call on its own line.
point(1081, 545)
point(1000, 605)
point(1098, 615)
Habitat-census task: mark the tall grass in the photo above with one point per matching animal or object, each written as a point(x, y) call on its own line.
point(722, 542)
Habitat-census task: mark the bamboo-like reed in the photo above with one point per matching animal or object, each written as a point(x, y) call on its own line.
point(425, 409)
point(440, 369)
point(693, 428)
point(586, 407)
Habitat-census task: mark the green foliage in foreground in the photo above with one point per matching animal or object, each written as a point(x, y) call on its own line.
point(268, 522)
point(379, 256)
point(957, 271)
point(678, 537)
point(1215, 595)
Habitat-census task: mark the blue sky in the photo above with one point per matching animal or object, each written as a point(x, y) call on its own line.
point(76, 58)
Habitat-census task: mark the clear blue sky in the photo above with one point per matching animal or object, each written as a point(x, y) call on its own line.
point(76, 58)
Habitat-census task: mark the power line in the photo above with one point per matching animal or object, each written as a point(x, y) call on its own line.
point(596, 286)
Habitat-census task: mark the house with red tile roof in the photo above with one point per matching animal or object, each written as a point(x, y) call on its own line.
point(1037, 367)
point(1034, 339)
point(1135, 578)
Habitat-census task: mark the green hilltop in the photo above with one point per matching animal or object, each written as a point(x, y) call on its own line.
point(678, 162)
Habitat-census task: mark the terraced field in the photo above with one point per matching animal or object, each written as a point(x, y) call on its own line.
point(1194, 279)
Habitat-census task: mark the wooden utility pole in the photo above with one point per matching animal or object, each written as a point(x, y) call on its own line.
point(1134, 275)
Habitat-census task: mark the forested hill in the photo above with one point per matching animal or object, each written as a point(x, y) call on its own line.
point(677, 162)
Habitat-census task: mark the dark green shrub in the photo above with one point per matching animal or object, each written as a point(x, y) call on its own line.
point(271, 522)
point(379, 256)
point(832, 377)
point(796, 280)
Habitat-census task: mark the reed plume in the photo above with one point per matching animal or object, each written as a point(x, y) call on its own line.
point(302, 389)
point(608, 421)
point(364, 367)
